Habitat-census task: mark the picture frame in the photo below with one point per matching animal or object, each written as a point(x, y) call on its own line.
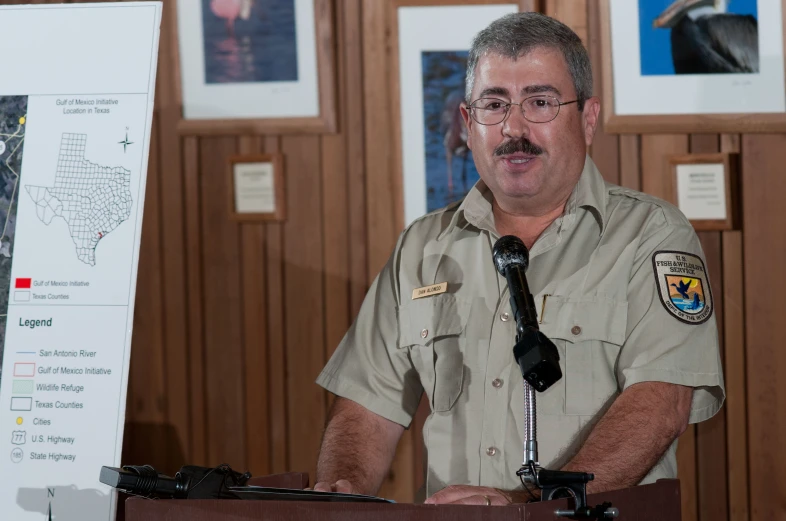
point(228, 84)
point(257, 190)
point(427, 81)
point(649, 89)
point(706, 189)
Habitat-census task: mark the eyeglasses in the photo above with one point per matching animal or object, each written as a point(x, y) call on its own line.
point(536, 109)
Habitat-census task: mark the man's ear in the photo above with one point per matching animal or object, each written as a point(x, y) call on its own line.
point(590, 117)
point(468, 122)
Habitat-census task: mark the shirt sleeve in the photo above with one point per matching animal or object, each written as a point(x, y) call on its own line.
point(659, 346)
point(368, 367)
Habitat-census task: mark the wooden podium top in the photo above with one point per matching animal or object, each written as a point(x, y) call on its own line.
point(659, 501)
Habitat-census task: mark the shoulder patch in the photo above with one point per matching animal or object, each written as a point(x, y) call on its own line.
point(683, 285)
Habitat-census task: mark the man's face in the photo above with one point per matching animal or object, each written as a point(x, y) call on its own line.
point(531, 168)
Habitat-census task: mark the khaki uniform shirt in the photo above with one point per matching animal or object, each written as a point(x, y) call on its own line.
point(597, 275)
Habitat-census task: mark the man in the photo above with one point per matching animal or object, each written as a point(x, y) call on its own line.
point(618, 277)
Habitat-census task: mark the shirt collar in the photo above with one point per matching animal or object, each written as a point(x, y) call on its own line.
point(590, 192)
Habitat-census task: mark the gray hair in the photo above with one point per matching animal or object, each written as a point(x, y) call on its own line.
point(517, 34)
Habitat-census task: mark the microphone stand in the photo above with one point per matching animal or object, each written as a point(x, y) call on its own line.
point(538, 360)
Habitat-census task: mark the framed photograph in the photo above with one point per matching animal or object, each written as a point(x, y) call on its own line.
point(255, 66)
point(256, 188)
point(699, 66)
point(705, 189)
point(430, 48)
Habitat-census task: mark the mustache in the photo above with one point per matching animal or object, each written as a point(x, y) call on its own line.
point(523, 145)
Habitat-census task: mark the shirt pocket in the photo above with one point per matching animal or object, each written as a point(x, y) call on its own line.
point(589, 332)
point(432, 329)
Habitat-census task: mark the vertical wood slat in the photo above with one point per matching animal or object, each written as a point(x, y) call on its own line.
point(303, 301)
point(382, 215)
point(252, 246)
point(149, 406)
point(276, 335)
point(572, 13)
point(335, 211)
point(655, 173)
point(765, 299)
point(356, 174)
point(605, 149)
point(173, 241)
point(222, 312)
point(711, 434)
point(734, 372)
point(630, 161)
point(194, 295)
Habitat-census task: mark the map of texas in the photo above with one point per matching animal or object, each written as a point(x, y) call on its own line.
point(92, 199)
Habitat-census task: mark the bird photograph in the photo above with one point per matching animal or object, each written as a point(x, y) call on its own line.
point(249, 40)
point(450, 169)
point(699, 37)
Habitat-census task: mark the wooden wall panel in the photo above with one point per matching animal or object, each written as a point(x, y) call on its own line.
point(147, 406)
point(711, 434)
point(734, 372)
point(605, 149)
point(234, 321)
point(223, 316)
point(194, 297)
point(764, 249)
point(175, 321)
point(382, 215)
point(302, 300)
point(255, 348)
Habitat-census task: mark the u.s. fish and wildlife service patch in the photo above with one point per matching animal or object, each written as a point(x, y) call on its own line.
point(683, 285)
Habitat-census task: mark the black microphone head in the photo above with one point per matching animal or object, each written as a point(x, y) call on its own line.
point(509, 251)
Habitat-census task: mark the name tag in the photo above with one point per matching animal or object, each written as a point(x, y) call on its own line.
point(434, 289)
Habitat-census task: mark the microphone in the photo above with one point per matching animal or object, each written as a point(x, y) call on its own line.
point(190, 482)
point(536, 355)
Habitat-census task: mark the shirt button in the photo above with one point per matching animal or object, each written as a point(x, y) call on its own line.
point(497, 382)
point(504, 317)
point(424, 333)
point(491, 451)
point(576, 330)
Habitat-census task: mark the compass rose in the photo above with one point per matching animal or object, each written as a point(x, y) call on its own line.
point(125, 143)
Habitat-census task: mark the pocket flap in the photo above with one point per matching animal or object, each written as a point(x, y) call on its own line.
point(423, 320)
point(584, 318)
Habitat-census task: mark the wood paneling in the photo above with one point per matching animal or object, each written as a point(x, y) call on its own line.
point(234, 321)
point(764, 250)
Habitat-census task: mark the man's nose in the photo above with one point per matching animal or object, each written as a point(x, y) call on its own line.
point(515, 124)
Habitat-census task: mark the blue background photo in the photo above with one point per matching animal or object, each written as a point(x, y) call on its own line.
point(443, 90)
point(656, 43)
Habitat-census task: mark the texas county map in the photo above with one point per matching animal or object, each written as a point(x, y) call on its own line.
point(13, 111)
point(92, 199)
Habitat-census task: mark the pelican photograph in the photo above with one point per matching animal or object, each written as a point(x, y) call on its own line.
point(450, 169)
point(693, 65)
point(249, 40)
point(699, 36)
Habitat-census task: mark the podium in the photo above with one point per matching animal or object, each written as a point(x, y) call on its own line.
point(658, 501)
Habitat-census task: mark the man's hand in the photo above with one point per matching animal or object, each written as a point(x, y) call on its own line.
point(342, 485)
point(469, 495)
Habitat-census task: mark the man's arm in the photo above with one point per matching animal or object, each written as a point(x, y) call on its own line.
point(633, 435)
point(625, 444)
point(357, 449)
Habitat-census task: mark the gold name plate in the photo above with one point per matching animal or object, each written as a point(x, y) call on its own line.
point(428, 291)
